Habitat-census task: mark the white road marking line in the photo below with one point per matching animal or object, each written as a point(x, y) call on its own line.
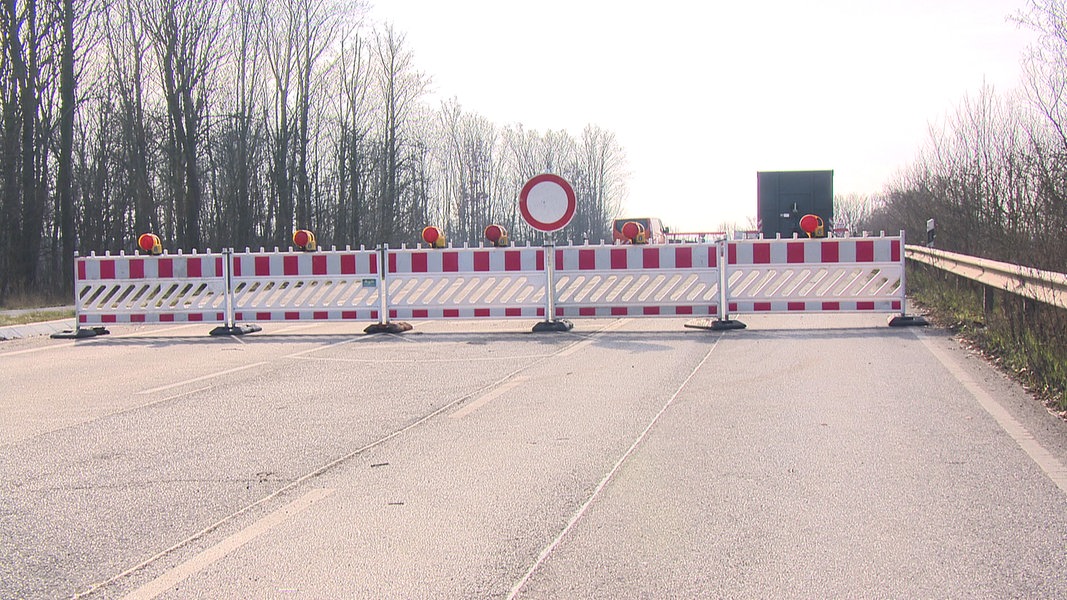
point(326, 347)
point(582, 344)
point(315, 473)
point(1044, 459)
point(480, 402)
point(33, 350)
point(288, 328)
point(156, 331)
point(213, 554)
point(420, 361)
point(202, 378)
point(607, 478)
point(151, 332)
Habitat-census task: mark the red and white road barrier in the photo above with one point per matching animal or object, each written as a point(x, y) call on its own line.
point(637, 280)
point(302, 286)
point(816, 275)
point(710, 280)
point(178, 288)
point(466, 283)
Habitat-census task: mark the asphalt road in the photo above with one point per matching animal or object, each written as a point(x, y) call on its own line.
point(814, 456)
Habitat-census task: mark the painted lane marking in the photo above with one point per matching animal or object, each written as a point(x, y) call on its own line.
point(302, 353)
point(153, 331)
point(86, 341)
point(171, 386)
point(1052, 467)
point(315, 473)
point(33, 350)
point(607, 478)
point(420, 361)
point(485, 399)
point(198, 563)
point(584, 343)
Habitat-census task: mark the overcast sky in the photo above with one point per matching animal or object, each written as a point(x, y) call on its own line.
point(702, 95)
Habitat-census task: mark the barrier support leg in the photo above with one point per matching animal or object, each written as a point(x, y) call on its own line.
point(392, 327)
point(384, 325)
point(231, 327)
point(551, 323)
point(723, 322)
point(907, 321)
point(904, 319)
point(241, 329)
point(78, 333)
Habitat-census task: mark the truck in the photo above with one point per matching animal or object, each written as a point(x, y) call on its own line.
point(786, 197)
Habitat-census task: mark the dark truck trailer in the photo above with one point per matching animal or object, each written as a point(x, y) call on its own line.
point(784, 197)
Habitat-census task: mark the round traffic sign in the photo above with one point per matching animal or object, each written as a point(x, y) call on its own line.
point(547, 202)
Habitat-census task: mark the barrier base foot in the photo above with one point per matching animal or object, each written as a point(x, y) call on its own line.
point(236, 329)
point(394, 327)
point(80, 333)
point(558, 325)
point(716, 324)
point(907, 321)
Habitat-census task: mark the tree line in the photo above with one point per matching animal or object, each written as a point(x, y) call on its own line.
point(231, 123)
point(993, 174)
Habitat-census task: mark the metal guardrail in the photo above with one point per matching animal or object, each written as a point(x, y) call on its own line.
point(1049, 287)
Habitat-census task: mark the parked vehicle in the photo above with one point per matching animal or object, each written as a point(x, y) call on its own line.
point(638, 230)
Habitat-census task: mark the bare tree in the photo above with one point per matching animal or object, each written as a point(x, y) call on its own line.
point(354, 149)
point(400, 88)
point(185, 35)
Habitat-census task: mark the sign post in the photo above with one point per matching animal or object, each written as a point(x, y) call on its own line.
point(547, 203)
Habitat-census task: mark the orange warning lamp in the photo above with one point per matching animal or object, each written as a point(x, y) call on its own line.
point(497, 235)
point(813, 226)
point(304, 240)
point(433, 236)
point(635, 232)
point(150, 244)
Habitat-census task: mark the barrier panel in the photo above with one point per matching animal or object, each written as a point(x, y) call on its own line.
point(466, 283)
point(306, 286)
point(816, 275)
point(150, 289)
point(710, 280)
point(637, 280)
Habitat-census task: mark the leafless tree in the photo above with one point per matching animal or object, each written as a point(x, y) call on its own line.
point(401, 86)
point(185, 36)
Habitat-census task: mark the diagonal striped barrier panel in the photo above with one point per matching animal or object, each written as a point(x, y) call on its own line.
point(306, 286)
point(711, 281)
point(150, 289)
point(818, 275)
point(466, 283)
point(637, 280)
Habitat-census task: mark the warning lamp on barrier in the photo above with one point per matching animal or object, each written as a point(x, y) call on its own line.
point(304, 240)
point(150, 244)
point(813, 226)
point(635, 232)
point(433, 236)
point(497, 235)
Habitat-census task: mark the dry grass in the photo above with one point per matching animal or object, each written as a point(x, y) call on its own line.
point(1025, 339)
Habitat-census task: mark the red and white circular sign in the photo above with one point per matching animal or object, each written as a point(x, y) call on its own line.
point(547, 202)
